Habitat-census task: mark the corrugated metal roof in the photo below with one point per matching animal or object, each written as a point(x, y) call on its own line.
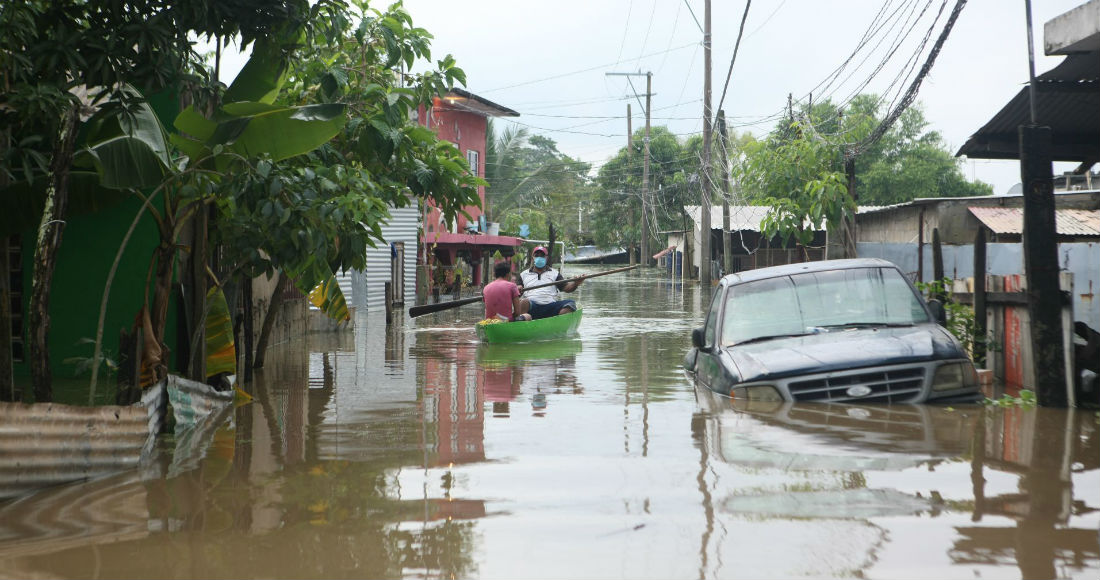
point(1067, 101)
point(743, 217)
point(1010, 220)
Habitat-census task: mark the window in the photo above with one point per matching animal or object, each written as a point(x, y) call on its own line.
point(471, 159)
point(712, 318)
point(811, 302)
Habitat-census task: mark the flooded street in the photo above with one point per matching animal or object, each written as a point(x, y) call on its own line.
point(418, 452)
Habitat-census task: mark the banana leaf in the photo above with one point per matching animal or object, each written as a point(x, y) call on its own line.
point(328, 297)
point(129, 148)
point(261, 77)
point(221, 355)
point(279, 132)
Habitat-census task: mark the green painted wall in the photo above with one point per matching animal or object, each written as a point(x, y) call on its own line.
point(88, 249)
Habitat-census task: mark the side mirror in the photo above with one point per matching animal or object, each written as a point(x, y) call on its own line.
point(938, 311)
point(697, 337)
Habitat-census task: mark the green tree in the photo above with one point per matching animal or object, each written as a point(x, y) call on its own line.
point(799, 169)
point(333, 200)
point(674, 181)
point(796, 173)
point(908, 162)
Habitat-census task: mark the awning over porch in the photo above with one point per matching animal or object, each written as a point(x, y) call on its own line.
point(471, 241)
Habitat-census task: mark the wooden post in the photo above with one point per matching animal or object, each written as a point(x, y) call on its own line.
point(980, 321)
point(937, 263)
point(849, 222)
point(1044, 296)
point(920, 247)
point(389, 302)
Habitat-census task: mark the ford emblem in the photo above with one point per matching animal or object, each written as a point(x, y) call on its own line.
point(858, 391)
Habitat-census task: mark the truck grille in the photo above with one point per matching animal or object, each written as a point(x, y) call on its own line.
point(887, 386)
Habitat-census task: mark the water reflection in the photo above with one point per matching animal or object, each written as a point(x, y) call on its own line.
point(1007, 487)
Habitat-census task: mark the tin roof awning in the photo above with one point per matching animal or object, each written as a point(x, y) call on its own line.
point(481, 240)
point(1067, 101)
point(1010, 220)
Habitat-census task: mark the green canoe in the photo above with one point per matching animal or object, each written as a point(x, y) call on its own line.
point(541, 329)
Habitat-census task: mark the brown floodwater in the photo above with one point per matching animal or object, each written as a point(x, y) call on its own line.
point(416, 452)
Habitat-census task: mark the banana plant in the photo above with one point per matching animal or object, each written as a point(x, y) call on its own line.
point(191, 166)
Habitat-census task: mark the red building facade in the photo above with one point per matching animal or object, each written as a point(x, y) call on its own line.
point(461, 118)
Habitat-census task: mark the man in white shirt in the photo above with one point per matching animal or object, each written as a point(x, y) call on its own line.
point(544, 301)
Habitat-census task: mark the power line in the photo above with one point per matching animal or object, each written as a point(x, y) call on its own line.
point(626, 28)
point(590, 69)
point(911, 92)
point(736, 46)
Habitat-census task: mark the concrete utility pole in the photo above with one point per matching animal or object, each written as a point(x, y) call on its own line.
point(708, 185)
point(645, 257)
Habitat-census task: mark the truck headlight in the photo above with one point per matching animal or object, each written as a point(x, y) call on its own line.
point(766, 393)
point(951, 376)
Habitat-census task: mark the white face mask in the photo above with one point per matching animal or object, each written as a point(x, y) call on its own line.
point(540, 261)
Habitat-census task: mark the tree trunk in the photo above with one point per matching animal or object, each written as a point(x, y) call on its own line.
point(196, 281)
point(45, 256)
point(269, 320)
point(249, 326)
point(162, 291)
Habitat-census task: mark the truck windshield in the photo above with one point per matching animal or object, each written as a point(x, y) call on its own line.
point(820, 301)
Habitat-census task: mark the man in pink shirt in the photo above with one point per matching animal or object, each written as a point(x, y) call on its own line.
point(502, 296)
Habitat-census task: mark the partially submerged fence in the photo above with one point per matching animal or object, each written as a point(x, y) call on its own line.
point(46, 444)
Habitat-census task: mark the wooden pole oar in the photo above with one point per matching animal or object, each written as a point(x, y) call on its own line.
point(440, 306)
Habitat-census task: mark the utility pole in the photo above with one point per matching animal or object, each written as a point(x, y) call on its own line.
point(645, 257)
point(1044, 293)
point(708, 185)
point(630, 156)
point(727, 238)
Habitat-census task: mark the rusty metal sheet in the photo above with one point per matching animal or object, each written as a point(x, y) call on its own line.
point(1010, 220)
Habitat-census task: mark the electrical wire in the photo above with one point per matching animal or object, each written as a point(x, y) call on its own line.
point(736, 46)
point(581, 71)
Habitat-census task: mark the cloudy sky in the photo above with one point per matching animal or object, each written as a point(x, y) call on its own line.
point(549, 60)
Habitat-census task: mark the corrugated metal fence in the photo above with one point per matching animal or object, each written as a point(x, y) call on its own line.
point(366, 290)
point(46, 444)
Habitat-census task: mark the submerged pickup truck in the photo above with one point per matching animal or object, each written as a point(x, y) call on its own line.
point(829, 331)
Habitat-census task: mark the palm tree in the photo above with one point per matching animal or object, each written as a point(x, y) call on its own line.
point(512, 184)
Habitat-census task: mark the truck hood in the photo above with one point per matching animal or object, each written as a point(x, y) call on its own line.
point(841, 350)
